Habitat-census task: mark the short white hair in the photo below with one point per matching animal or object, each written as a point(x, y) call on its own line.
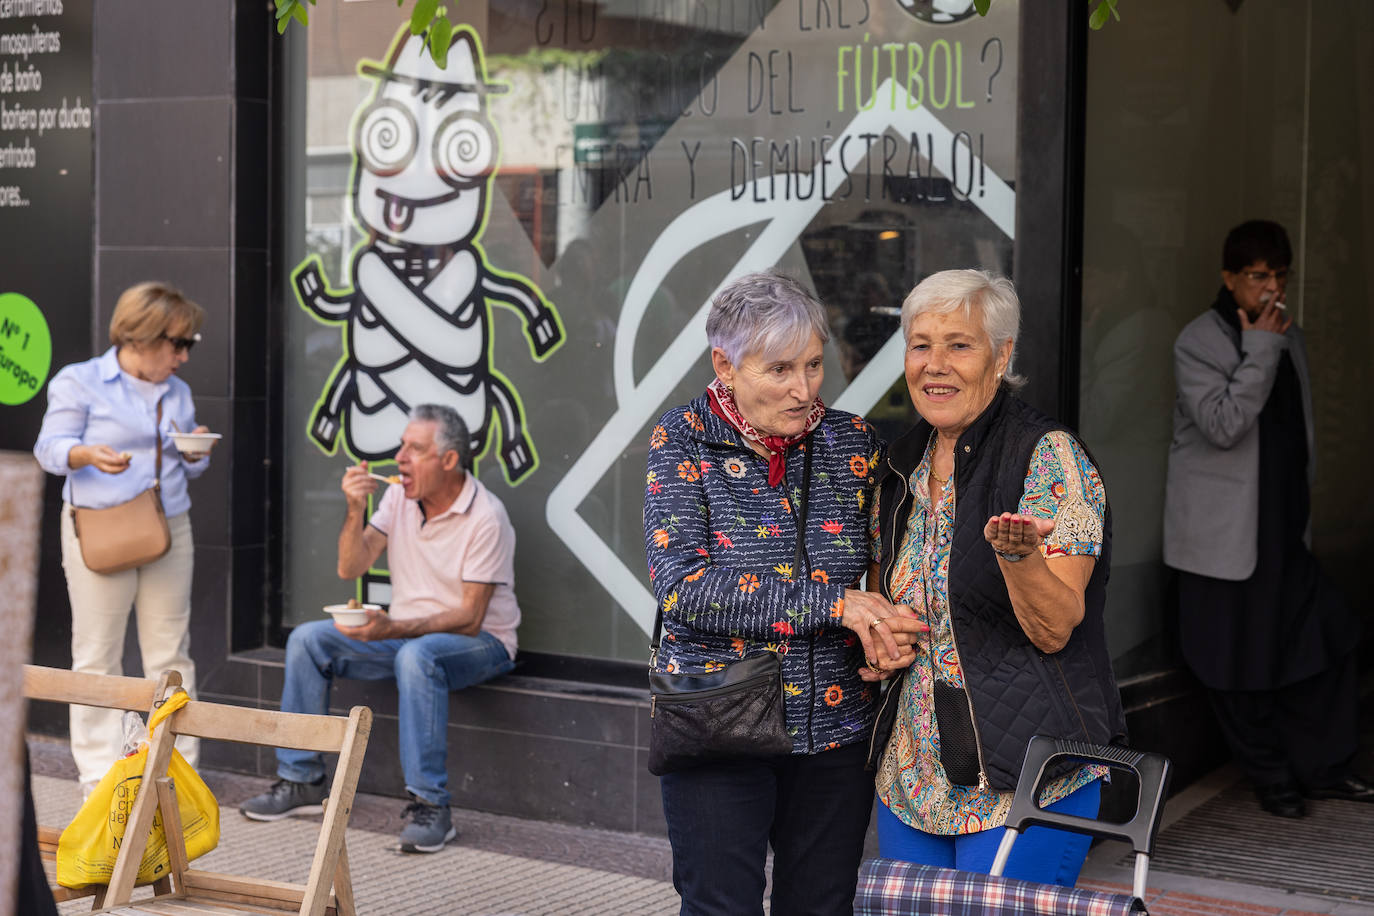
point(765, 313)
point(990, 296)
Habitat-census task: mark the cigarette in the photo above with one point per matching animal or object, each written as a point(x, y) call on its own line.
point(1281, 306)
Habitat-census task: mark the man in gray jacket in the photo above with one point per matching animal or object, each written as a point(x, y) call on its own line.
point(1260, 624)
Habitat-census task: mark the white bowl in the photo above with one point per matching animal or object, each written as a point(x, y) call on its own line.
point(195, 443)
point(350, 616)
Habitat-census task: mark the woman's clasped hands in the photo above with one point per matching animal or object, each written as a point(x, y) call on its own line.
point(889, 633)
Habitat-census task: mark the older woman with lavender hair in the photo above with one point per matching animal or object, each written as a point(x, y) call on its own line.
point(726, 515)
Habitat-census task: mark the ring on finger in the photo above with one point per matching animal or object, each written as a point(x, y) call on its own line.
point(875, 621)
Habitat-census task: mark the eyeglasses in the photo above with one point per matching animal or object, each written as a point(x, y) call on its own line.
point(182, 343)
point(1263, 276)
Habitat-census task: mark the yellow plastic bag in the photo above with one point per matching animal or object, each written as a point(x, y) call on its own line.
point(87, 849)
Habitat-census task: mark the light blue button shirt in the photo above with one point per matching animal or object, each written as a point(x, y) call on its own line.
point(93, 403)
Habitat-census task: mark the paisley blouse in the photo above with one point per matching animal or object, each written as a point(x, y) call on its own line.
point(1061, 484)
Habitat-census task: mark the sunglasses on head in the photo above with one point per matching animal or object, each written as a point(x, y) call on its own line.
point(182, 343)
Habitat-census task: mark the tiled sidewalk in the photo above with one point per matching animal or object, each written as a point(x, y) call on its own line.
point(459, 880)
point(502, 866)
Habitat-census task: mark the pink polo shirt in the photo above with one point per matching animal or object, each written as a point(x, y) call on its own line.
point(470, 541)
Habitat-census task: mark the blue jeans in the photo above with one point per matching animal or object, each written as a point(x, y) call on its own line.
point(812, 808)
point(1041, 854)
point(425, 668)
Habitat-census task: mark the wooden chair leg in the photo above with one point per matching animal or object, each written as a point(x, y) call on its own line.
point(171, 825)
point(343, 885)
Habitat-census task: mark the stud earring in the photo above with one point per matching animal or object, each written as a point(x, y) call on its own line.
point(730, 388)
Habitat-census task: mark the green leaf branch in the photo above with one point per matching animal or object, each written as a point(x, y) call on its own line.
point(1101, 9)
point(425, 16)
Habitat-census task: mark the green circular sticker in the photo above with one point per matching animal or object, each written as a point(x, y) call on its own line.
point(25, 349)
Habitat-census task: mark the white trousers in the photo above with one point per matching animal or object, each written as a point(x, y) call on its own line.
point(160, 594)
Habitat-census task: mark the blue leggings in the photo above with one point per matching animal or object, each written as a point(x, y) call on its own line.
point(1041, 854)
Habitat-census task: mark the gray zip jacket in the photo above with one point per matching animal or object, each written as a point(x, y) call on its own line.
point(1211, 503)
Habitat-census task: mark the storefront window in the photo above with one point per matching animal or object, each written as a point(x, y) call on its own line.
point(1200, 117)
point(532, 236)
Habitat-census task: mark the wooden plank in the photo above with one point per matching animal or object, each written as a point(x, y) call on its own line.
point(266, 727)
point(171, 906)
point(48, 837)
point(179, 906)
point(235, 887)
point(57, 685)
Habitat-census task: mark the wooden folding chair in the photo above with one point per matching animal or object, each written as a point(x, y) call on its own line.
point(58, 685)
point(204, 892)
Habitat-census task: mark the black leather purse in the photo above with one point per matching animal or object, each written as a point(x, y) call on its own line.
point(733, 712)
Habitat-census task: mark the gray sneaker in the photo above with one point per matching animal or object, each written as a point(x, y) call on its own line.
point(429, 829)
point(284, 799)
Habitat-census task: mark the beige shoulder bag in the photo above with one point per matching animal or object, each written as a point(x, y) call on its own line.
point(130, 534)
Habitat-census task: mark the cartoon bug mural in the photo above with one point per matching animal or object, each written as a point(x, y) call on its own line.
point(417, 325)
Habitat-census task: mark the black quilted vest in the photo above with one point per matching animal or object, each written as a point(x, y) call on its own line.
point(1017, 691)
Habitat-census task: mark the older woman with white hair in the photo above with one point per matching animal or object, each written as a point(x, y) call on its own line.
point(755, 516)
point(991, 522)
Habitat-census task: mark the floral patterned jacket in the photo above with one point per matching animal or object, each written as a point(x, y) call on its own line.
point(721, 545)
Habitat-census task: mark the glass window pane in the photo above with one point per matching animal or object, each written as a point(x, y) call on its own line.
point(1252, 112)
point(611, 164)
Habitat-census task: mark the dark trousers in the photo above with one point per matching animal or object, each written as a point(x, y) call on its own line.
point(814, 810)
point(1305, 732)
point(31, 894)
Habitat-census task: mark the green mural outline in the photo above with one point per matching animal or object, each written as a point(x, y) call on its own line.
point(493, 420)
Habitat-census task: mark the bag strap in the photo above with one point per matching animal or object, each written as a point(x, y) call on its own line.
point(157, 460)
point(797, 558)
point(157, 448)
point(165, 707)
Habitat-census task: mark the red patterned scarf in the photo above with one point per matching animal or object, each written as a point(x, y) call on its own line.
point(723, 405)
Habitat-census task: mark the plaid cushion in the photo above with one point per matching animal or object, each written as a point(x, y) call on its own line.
point(892, 888)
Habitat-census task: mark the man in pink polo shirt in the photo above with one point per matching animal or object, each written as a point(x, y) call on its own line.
point(451, 623)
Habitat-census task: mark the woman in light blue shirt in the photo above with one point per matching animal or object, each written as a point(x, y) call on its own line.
point(101, 431)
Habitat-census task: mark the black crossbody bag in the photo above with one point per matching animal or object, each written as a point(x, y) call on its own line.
point(733, 712)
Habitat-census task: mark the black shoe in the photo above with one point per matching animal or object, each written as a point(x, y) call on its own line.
point(1281, 800)
point(285, 798)
point(1352, 788)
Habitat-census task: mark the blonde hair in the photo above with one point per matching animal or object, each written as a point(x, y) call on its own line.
point(147, 311)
